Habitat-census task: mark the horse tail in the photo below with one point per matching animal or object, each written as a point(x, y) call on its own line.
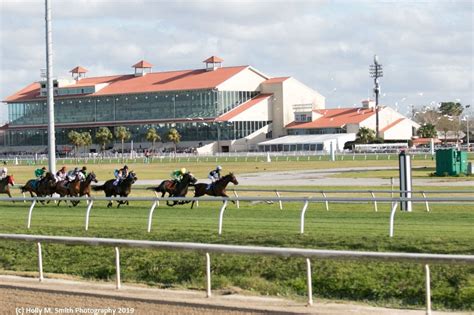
point(152, 188)
point(98, 188)
point(23, 189)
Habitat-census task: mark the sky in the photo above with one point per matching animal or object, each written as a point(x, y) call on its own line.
point(425, 47)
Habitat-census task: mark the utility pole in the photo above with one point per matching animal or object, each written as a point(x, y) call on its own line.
point(50, 90)
point(376, 72)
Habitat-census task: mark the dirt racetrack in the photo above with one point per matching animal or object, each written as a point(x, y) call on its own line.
point(20, 295)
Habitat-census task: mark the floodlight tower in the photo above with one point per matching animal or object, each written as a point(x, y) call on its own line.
point(376, 72)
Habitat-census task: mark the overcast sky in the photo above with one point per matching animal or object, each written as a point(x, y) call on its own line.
point(426, 47)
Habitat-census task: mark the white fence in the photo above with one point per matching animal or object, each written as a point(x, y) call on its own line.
point(245, 250)
point(305, 200)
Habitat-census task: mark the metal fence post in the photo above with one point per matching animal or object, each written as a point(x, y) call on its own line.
point(40, 262)
point(24, 196)
point(426, 202)
point(326, 202)
point(237, 203)
point(221, 216)
point(30, 213)
point(117, 268)
point(88, 212)
point(156, 194)
point(150, 216)
point(310, 282)
point(428, 290)
point(208, 275)
point(392, 217)
point(375, 201)
point(303, 211)
point(279, 201)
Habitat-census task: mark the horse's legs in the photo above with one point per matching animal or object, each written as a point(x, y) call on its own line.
point(10, 195)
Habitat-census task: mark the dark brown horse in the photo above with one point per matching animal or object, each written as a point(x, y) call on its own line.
point(122, 189)
point(41, 188)
point(4, 185)
point(175, 189)
point(63, 188)
point(216, 189)
point(76, 188)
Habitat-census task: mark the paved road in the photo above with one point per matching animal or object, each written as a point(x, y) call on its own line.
point(324, 178)
point(77, 297)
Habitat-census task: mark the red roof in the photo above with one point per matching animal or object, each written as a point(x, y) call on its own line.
point(142, 64)
point(334, 118)
point(79, 69)
point(152, 82)
point(421, 141)
point(275, 80)
point(243, 107)
point(213, 59)
point(392, 124)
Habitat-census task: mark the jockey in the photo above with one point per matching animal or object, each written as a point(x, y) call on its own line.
point(177, 175)
point(215, 175)
point(40, 172)
point(61, 174)
point(82, 174)
point(71, 175)
point(120, 174)
point(3, 170)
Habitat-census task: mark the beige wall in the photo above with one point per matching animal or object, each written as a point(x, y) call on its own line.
point(245, 80)
point(387, 115)
point(287, 94)
point(402, 130)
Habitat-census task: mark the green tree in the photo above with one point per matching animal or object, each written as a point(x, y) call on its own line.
point(427, 131)
point(103, 136)
point(122, 133)
point(86, 139)
point(152, 136)
point(365, 135)
point(451, 108)
point(173, 136)
point(75, 139)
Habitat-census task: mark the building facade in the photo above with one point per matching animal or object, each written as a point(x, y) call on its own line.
point(217, 108)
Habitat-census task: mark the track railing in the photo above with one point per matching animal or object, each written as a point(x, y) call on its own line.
point(419, 258)
point(305, 200)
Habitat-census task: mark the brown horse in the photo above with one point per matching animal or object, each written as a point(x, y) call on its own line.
point(122, 189)
point(63, 188)
point(41, 188)
point(175, 189)
point(76, 188)
point(216, 189)
point(4, 185)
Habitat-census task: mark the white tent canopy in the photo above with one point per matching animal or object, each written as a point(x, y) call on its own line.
point(307, 142)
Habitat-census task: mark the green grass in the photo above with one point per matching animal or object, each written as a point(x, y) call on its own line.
point(446, 229)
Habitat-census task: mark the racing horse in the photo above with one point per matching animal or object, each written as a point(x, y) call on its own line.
point(216, 189)
point(41, 188)
point(175, 189)
point(75, 188)
point(122, 189)
point(4, 185)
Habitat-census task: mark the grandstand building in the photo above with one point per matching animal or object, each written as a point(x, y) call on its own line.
point(214, 108)
point(217, 108)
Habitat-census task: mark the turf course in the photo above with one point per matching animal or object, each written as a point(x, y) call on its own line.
point(446, 229)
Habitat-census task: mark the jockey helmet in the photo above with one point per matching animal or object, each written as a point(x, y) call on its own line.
point(84, 168)
point(125, 167)
point(76, 169)
point(183, 170)
point(44, 168)
point(63, 168)
point(219, 167)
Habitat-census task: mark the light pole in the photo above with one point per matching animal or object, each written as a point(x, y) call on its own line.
point(376, 72)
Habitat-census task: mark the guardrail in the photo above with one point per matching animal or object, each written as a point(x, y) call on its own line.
point(245, 250)
point(306, 200)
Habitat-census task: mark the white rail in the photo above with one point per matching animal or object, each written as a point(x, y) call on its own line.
point(306, 200)
point(246, 250)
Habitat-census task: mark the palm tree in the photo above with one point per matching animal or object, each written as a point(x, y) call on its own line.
point(86, 139)
point(152, 136)
point(427, 131)
point(75, 139)
point(122, 133)
point(173, 136)
point(365, 135)
point(103, 136)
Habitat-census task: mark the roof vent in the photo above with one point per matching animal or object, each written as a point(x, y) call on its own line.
point(142, 68)
point(368, 103)
point(78, 73)
point(213, 62)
